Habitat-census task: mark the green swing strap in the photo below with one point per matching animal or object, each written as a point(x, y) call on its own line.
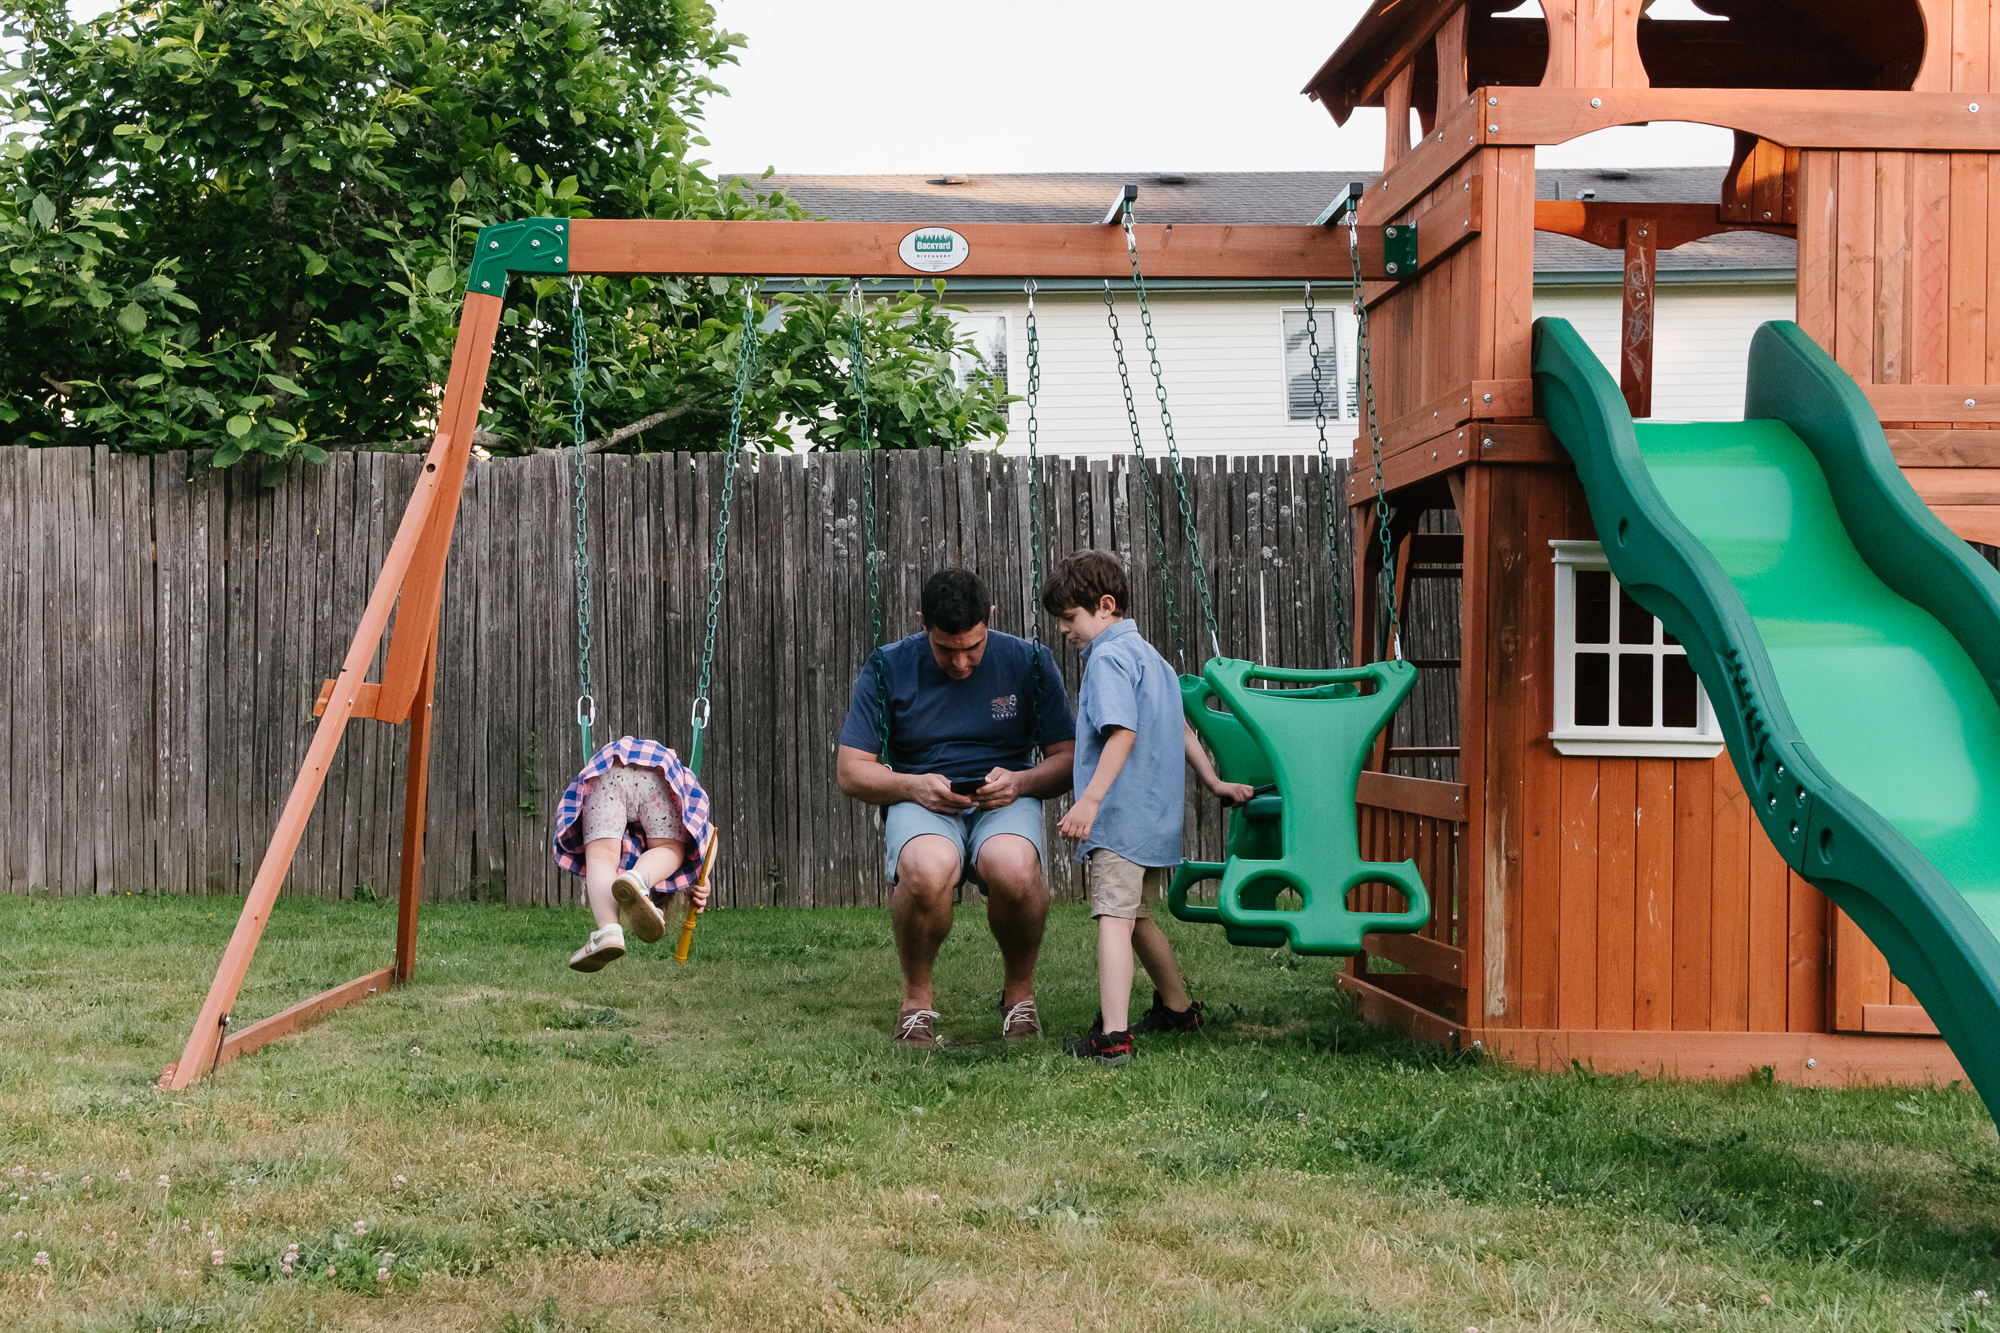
point(1335, 556)
point(746, 371)
point(1310, 741)
point(579, 370)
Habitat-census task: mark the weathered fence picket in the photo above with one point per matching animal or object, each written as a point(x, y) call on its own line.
point(168, 633)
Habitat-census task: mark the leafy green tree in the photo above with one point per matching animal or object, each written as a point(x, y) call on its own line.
point(243, 228)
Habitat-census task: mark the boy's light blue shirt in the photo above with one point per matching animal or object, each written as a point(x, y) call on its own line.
point(1128, 684)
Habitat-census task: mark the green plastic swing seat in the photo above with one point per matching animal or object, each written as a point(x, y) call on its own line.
point(1304, 745)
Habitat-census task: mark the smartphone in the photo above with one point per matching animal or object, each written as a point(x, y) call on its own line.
point(967, 786)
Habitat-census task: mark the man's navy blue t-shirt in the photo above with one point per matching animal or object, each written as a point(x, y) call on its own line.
point(960, 728)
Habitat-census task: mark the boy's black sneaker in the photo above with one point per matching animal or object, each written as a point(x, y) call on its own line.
point(1106, 1048)
point(1162, 1019)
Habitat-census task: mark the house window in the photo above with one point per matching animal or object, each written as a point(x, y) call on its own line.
point(985, 361)
point(1335, 334)
point(1623, 684)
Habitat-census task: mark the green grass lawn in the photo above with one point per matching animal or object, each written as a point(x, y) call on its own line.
point(734, 1144)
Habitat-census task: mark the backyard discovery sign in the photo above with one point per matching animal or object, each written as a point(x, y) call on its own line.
point(934, 249)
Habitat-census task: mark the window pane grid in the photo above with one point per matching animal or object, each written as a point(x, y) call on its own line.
point(1627, 673)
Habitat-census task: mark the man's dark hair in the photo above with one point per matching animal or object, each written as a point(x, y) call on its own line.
point(954, 601)
point(1084, 578)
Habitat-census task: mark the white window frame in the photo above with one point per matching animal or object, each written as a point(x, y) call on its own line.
point(1701, 741)
point(1336, 321)
point(977, 317)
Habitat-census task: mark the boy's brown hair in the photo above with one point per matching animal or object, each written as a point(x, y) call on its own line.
point(1084, 578)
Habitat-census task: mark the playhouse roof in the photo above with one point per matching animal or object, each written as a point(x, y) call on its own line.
point(1277, 197)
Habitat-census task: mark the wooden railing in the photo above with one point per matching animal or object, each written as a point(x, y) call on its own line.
point(1413, 819)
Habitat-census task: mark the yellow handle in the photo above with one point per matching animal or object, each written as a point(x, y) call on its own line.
point(687, 923)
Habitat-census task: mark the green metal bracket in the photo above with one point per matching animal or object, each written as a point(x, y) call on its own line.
point(532, 245)
point(1399, 249)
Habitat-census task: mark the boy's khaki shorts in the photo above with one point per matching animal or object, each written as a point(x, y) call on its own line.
point(1119, 887)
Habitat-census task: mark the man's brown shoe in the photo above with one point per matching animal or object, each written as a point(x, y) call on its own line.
point(916, 1027)
point(1020, 1022)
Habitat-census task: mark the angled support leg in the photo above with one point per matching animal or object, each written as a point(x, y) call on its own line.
point(209, 1044)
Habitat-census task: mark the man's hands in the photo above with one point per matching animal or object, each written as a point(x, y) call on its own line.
point(1076, 823)
point(1003, 787)
point(933, 792)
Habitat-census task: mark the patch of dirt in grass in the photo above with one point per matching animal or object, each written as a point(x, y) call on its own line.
point(476, 993)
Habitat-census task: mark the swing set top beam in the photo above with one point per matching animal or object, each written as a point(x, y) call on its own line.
point(870, 250)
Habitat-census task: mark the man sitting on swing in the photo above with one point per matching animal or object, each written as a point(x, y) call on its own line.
point(962, 713)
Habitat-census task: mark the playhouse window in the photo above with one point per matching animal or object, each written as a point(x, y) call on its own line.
point(1335, 334)
point(1623, 684)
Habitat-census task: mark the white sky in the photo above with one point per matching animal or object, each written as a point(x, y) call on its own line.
point(900, 86)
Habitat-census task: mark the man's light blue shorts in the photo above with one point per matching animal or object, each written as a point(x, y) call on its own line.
point(968, 832)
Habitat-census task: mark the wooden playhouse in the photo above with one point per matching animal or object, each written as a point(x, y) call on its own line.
point(1602, 890)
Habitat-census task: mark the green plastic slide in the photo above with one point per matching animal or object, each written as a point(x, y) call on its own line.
point(1849, 642)
point(1306, 742)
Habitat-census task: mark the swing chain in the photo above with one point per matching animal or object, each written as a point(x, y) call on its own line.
point(1034, 523)
point(1167, 428)
point(1374, 440)
point(1326, 509)
point(1034, 468)
point(857, 375)
point(1154, 522)
point(746, 370)
point(579, 372)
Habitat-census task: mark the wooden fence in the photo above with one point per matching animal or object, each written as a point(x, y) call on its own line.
point(168, 633)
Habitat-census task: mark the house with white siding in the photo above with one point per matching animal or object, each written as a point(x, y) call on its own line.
point(1234, 353)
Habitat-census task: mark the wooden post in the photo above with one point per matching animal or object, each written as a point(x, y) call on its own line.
point(416, 786)
point(1635, 339)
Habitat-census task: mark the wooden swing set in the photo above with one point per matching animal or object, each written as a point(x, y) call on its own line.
point(409, 589)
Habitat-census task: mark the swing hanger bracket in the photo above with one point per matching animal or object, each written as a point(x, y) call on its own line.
point(1124, 199)
point(1345, 208)
point(698, 714)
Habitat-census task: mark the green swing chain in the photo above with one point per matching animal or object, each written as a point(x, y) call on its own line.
point(746, 371)
point(857, 377)
point(1154, 523)
point(1167, 429)
point(1034, 521)
point(579, 371)
point(1326, 507)
point(1374, 436)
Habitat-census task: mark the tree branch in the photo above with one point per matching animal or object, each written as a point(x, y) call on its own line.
point(624, 433)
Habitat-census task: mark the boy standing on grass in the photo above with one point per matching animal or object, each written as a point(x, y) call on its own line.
point(1130, 743)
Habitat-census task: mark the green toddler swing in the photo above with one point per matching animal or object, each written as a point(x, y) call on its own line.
point(1300, 746)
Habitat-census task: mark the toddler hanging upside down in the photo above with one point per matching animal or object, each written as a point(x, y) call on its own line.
point(634, 823)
